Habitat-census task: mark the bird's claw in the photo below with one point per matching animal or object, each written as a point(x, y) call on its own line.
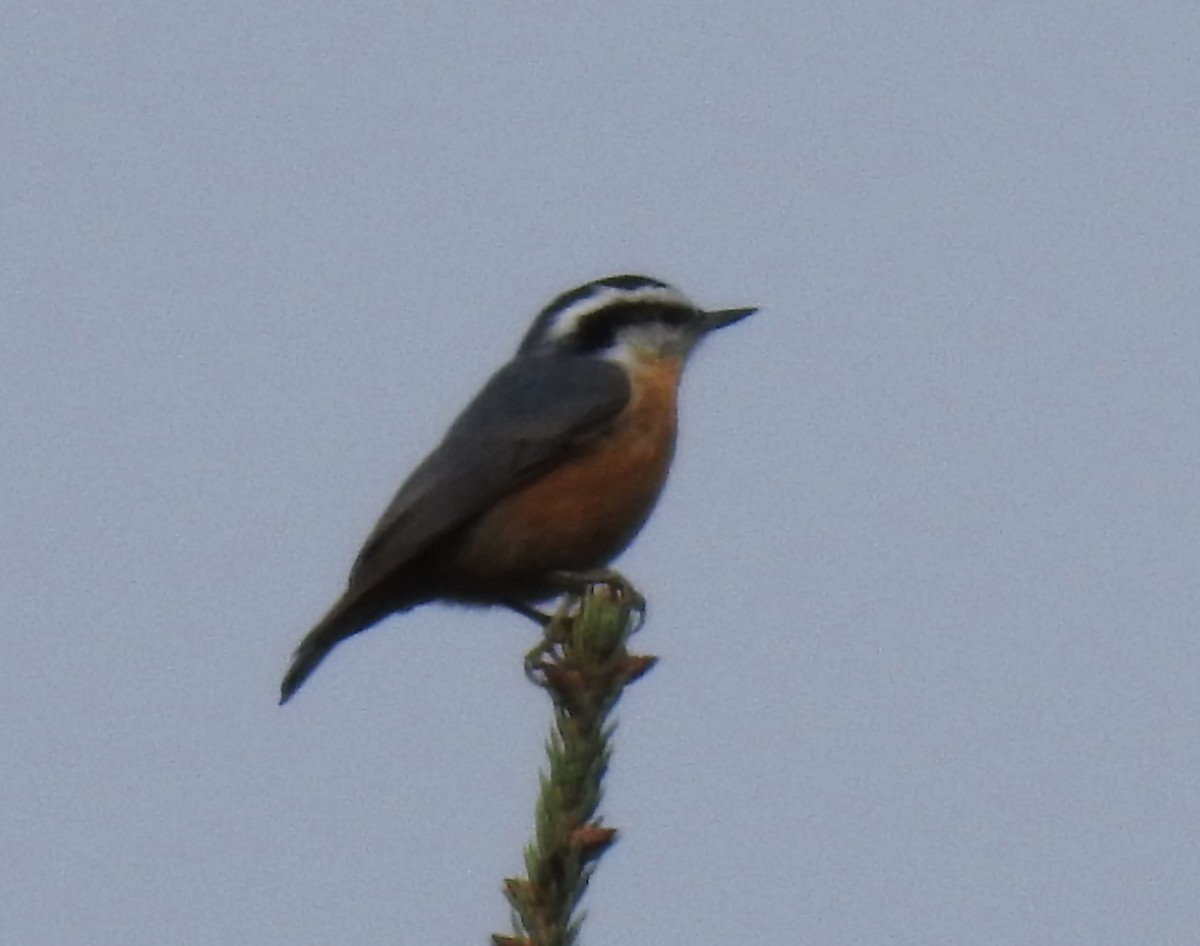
point(579, 582)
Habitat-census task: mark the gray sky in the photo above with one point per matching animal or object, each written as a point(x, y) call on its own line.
point(923, 581)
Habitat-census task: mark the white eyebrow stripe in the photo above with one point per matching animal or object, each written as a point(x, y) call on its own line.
point(566, 321)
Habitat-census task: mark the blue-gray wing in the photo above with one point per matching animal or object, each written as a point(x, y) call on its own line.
point(532, 412)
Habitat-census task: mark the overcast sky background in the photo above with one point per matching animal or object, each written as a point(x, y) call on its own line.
point(924, 579)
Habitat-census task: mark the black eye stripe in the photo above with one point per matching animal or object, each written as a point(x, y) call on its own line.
point(599, 329)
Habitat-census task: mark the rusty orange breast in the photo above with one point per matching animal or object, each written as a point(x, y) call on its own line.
point(583, 512)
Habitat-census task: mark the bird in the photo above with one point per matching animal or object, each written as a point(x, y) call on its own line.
point(546, 476)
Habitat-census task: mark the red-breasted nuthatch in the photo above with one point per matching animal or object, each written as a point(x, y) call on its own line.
point(546, 476)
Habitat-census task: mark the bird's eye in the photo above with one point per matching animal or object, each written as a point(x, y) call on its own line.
point(595, 335)
point(601, 329)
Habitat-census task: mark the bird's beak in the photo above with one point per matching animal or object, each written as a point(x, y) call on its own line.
point(723, 317)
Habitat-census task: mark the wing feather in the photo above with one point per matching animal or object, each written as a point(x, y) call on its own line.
point(531, 413)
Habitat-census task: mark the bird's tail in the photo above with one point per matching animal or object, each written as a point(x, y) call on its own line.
point(348, 617)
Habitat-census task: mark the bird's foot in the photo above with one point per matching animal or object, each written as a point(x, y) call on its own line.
point(555, 629)
point(579, 582)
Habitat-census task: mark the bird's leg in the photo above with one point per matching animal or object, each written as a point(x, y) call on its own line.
point(553, 626)
point(528, 611)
